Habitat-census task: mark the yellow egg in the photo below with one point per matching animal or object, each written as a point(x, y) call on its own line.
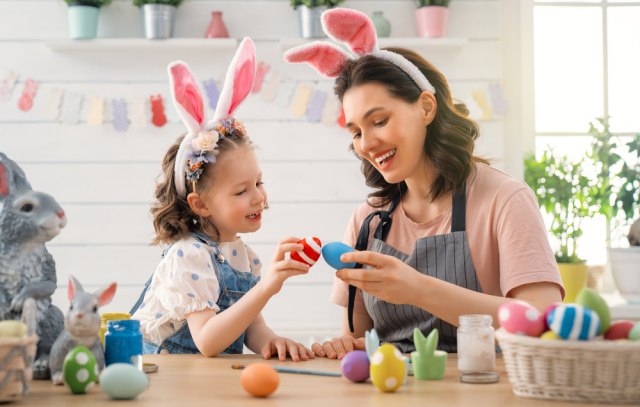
point(13, 328)
point(388, 368)
point(550, 336)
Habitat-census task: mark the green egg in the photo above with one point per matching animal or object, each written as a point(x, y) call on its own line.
point(634, 334)
point(122, 381)
point(80, 370)
point(591, 299)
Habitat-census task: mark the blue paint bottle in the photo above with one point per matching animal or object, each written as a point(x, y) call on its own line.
point(123, 343)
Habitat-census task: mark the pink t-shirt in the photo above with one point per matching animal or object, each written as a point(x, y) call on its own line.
point(507, 236)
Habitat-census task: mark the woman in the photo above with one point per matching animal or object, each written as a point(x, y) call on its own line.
point(445, 234)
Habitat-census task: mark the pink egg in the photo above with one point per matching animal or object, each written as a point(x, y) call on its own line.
point(311, 251)
point(518, 317)
point(355, 366)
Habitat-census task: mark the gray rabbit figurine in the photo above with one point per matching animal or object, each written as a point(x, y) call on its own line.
point(28, 219)
point(82, 326)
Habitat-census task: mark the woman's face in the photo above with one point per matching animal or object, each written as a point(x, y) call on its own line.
point(387, 131)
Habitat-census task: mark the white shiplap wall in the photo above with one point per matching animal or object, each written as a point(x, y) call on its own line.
point(104, 179)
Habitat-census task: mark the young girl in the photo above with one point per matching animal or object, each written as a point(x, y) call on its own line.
point(443, 234)
point(206, 294)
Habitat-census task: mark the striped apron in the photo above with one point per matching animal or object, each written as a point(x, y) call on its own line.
point(445, 257)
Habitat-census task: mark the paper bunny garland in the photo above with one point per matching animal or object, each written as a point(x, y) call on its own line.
point(198, 146)
point(356, 30)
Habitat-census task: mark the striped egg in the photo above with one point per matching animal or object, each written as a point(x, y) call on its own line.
point(573, 321)
point(310, 252)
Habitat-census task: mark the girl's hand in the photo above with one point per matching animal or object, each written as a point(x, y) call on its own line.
point(281, 269)
point(283, 346)
point(338, 347)
point(389, 279)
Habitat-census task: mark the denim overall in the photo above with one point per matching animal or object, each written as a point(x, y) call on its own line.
point(233, 284)
point(445, 257)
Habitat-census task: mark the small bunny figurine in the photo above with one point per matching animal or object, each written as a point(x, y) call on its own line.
point(28, 219)
point(82, 325)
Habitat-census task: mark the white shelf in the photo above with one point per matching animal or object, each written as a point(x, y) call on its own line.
point(404, 42)
point(141, 44)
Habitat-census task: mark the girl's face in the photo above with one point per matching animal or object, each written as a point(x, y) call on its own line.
point(387, 131)
point(236, 199)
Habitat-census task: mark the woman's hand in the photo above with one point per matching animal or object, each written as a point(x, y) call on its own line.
point(280, 268)
point(389, 279)
point(283, 346)
point(338, 347)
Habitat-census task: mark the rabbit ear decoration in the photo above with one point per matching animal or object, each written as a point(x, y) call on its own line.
point(354, 29)
point(74, 286)
point(328, 59)
point(106, 295)
point(186, 96)
point(238, 82)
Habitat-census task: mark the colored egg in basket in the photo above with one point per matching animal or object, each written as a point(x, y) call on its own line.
point(518, 317)
point(619, 330)
point(589, 298)
point(573, 321)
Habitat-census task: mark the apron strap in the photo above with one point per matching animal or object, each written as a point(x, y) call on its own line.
point(381, 233)
point(458, 224)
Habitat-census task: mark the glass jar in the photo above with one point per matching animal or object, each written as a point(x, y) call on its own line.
point(110, 316)
point(123, 343)
point(477, 349)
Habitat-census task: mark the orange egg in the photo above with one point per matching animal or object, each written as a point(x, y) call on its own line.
point(259, 379)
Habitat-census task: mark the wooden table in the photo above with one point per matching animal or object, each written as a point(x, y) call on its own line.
point(193, 380)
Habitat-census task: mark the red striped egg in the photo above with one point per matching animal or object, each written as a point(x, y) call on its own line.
point(311, 251)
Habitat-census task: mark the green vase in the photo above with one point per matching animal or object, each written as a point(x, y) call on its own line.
point(83, 21)
point(383, 26)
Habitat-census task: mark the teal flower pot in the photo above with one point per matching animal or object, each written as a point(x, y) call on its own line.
point(83, 21)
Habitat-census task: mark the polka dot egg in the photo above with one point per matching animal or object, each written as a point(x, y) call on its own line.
point(518, 317)
point(310, 253)
point(80, 370)
point(388, 368)
point(573, 321)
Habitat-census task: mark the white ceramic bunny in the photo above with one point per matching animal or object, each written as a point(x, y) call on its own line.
point(82, 326)
point(28, 219)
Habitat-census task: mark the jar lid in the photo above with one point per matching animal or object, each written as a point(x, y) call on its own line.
point(108, 316)
point(479, 377)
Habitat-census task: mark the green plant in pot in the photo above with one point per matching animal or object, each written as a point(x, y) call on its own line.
point(563, 191)
point(432, 17)
point(158, 17)
point(83, 17)
point(617, 197)
point(309, 12)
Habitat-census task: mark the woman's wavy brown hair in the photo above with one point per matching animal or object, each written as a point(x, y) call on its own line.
point(451, 136)
point(173, 219)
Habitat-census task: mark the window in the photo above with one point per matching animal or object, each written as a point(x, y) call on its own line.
point(586, 57)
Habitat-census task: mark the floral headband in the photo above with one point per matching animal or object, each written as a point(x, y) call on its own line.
point(356, 30)
point(199, 146)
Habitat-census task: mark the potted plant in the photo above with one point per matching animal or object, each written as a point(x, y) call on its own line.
point(158, 17)
point(309, 12)
point(563, 189)
point(83, 17)
point(617, 198)
point(432, 17)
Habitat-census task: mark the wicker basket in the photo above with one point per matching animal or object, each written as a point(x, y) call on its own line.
point(16, 360)
point(596, 371)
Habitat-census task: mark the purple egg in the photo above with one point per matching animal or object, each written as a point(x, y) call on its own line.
point(355, 366)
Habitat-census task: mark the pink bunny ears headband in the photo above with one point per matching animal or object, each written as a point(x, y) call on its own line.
point(356, 30)
point(198, 147)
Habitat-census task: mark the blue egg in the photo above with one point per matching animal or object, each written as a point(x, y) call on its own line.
point(573, 321)
point(331, 253)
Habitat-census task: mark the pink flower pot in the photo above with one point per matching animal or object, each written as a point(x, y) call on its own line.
point(432, 21)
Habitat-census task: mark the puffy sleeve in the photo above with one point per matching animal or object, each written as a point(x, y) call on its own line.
point(188, 282)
